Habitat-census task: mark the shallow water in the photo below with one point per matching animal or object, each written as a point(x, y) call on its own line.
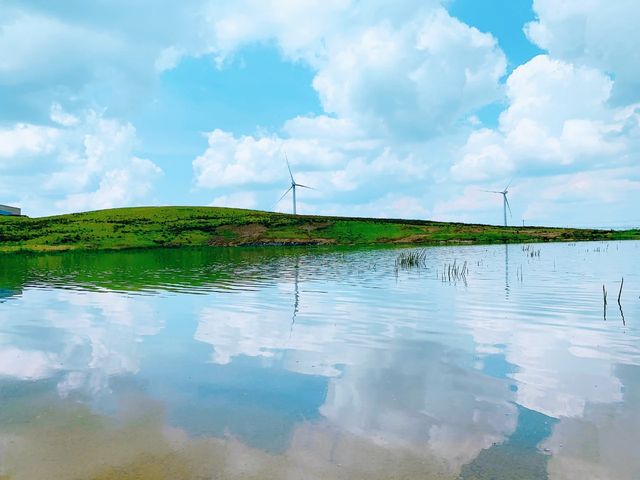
point(305, 364)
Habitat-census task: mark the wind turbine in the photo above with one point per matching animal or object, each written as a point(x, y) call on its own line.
point(293, 186)
point(505, 202)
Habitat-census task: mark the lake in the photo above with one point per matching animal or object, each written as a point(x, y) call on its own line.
point(322, 363)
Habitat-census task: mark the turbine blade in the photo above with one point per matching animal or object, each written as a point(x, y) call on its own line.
point(304, 186)
point(490, 191)
point(289, 167)
point(508, 206)
point(284, 194)
point(508, 184)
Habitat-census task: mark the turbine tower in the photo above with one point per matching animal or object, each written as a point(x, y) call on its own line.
point(505, 201)
point(293, 186)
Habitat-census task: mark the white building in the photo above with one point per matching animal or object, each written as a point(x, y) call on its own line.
point(7, 210)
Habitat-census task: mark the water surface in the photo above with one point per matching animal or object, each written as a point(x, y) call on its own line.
point(315, 364)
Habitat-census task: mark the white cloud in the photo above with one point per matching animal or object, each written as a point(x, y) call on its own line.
point(586, 195)
point(559, 129)
point(298, 27)
point(413, 80)
point(550, 90)
point(392, 80)
point(401, 86)
point(599, 33)
point(388, 74)
point(119, 187)
point(82, 163)
point(391, 205)
point(558, 119)
point(465, 206)
point(330, 131)
point(600, 198)
point(483, 157)
point(231, 161)
point(25, 139)
point(25, 61)
point(59, 116)
point(168, 59)
point(340, 162)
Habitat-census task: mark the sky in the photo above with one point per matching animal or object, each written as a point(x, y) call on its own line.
point(404, 109)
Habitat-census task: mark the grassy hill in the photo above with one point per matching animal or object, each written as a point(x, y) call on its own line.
point(148, 227)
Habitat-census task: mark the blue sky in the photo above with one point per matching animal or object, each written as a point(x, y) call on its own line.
point(403, 109)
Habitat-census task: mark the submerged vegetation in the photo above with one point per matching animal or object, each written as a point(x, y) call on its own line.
point(147, 227)
point(411, 259)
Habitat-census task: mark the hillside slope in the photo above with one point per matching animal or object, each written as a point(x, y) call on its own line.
point(147, 227)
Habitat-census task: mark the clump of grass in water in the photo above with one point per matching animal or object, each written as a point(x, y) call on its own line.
point(412, 259)
point(530, 251)
point(455, 271)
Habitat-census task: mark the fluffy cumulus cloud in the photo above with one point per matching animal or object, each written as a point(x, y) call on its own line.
point(362, 54)
point(321, 144)
point(598, 33)
point(406, 86)
point(396, 86)
point(25, 139)
point(561, 130)
point(332, 156)
point(571, 131)
point(77, 164)
point(401, 87)
point(412, 80)
point(558, 119)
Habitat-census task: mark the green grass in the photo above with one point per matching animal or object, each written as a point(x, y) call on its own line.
point(148, 227)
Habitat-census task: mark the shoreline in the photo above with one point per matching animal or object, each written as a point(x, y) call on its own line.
point(178, 227)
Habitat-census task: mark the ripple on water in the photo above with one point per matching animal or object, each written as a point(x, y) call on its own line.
point(270, 363)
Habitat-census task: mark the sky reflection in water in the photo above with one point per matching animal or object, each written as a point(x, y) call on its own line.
point(265, 363)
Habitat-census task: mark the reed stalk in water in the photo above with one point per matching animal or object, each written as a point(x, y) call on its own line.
point(412, 259)
point(455, 271)
point(620, 292)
